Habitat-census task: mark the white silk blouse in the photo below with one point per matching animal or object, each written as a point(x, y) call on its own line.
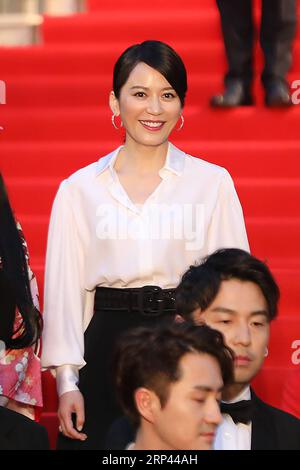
point(99, 237)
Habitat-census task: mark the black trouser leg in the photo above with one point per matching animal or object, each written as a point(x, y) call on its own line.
point(237, 28)
point(278, 27)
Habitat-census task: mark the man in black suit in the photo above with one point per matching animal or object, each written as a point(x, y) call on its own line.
point(278, 27)
point(235, 293)
point(20, 433)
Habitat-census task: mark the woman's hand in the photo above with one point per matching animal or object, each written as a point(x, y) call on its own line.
point(69, 403)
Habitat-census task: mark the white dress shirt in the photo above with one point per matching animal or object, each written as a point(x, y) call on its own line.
point(231, 436)
point(99, 237)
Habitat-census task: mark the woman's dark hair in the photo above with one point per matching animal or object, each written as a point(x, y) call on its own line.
point(201, 283)
point(150, 356)
point(157, 55)
point(15, 290)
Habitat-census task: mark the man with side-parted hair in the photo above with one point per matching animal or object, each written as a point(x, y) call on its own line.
point(169, 383)
point(236, 294)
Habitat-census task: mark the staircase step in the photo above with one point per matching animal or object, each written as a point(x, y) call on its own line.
point(195, 25)
point(68, 91)
point(244, 159)
point(60, 59)
point(50, 420)
point(269, 384)
point(69, 124)
point(102, 5)
point(268, 236)
point(285, 330)
point(90, 91)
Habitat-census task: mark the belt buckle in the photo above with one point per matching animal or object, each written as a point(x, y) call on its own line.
point(148, 311)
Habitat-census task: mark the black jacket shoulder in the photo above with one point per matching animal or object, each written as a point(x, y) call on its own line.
point(273, 428)
point(17, 432)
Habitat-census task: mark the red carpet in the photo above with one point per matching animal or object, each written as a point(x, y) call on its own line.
point(57, 119)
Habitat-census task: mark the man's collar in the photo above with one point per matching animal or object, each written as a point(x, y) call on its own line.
point(174, 162)
point(245, 394)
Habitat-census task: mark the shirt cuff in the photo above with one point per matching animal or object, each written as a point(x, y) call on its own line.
point(67, 378)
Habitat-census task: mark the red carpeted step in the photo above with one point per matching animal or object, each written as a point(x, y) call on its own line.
point(268, 236)
point(49, 391)
point(100, 5)
point(196, 25)
point(32, 91)
point(99, 58)
point(50, 91)
point(269, 384)
point(50, 420)
point(208, 56)
point(285, 331)
point(247, 159)
point(91, 123)
point(193, 24)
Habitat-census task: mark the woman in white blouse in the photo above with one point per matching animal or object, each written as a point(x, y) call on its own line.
point(122, 232)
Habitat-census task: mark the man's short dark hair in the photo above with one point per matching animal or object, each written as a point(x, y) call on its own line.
point(200, 284)
point(149, 357)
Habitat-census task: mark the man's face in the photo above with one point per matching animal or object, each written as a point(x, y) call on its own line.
point(239, 311)
point(189, 418)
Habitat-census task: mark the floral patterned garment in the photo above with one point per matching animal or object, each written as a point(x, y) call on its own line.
point(20, 370)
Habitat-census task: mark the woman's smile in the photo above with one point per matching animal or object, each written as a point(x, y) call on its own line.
point(153, 126)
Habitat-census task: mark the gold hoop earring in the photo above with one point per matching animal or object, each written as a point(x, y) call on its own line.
point(114, 124)
point(182, 123)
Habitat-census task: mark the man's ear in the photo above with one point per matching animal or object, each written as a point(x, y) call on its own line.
point(114, 104)
point(198, 316)
point(179, 319)
point(146, 402)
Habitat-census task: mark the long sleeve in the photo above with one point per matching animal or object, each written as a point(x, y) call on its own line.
point(227, 226)
point(64, 299)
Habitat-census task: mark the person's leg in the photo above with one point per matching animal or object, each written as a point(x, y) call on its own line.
point(278, 28)
point(237, 28)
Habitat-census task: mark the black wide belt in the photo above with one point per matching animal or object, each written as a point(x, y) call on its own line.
point(146, 300)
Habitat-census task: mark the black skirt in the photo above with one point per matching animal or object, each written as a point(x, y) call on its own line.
point(96, 382)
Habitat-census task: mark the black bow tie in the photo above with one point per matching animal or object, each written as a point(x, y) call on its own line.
point(240, 412)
